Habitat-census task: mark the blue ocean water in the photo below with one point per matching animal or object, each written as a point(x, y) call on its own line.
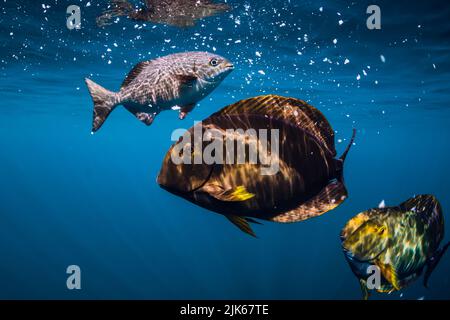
point(69, 197)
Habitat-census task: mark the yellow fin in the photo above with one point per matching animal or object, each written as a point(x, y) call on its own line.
point(239, 193)
point(365, 292)
point(390, 274)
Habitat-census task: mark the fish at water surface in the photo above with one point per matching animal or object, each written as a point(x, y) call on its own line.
point(309, 181)
point(177, 80)
point(398, 241)
point(178, 13)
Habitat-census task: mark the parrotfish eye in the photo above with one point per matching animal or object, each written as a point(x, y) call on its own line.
point(381, 230)
point(213, 62)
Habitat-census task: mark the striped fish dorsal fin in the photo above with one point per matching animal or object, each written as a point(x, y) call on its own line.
point(137, 69)
point(291, 110)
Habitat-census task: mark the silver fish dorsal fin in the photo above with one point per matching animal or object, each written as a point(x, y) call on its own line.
point(291, 110)
point(137, 69)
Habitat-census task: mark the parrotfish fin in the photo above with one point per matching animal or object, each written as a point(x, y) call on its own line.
point(433, 262)
point(242, 223)
point(421, 203)
point(184, 110)
point(137, 69)
point(291, 110)
point(239, 193)
point(364, 290)
point(186, 80)
point(389, 273)
point(329, 198)
point(104, 103)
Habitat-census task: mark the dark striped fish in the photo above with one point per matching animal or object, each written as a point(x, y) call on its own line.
point(400, 241)
point(176, 81)
point(179, 13)
point(309, 181)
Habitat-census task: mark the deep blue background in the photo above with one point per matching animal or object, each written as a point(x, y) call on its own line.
point(67, 197)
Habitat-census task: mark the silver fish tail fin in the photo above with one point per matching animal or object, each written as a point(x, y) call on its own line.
point(104, 103)
point(118, 8)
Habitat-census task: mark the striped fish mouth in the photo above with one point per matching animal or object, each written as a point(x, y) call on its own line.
point(229, 66)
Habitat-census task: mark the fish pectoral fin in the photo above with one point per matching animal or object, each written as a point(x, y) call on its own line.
point(433, 262)
point(184, 110)
point(242, 223)
point(389, 273)
point(239, 193)
point(186, 80)
point(329, 198)
point(364, 290)
point(146, 118)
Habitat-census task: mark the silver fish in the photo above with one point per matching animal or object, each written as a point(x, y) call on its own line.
point(174, 81)
point(178, 13)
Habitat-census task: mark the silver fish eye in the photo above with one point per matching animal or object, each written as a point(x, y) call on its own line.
point(213, 62)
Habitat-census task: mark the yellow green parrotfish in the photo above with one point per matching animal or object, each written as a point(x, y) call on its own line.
point(279, 163)
point(397, 242)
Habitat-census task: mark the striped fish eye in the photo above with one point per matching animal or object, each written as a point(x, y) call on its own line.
point(213, 62)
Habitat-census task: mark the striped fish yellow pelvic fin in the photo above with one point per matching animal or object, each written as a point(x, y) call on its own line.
point(239, 193)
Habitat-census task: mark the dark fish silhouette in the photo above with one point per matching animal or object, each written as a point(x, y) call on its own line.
point(179, 13)
point(400, 241)
point(309, 181)
point(176, 81)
